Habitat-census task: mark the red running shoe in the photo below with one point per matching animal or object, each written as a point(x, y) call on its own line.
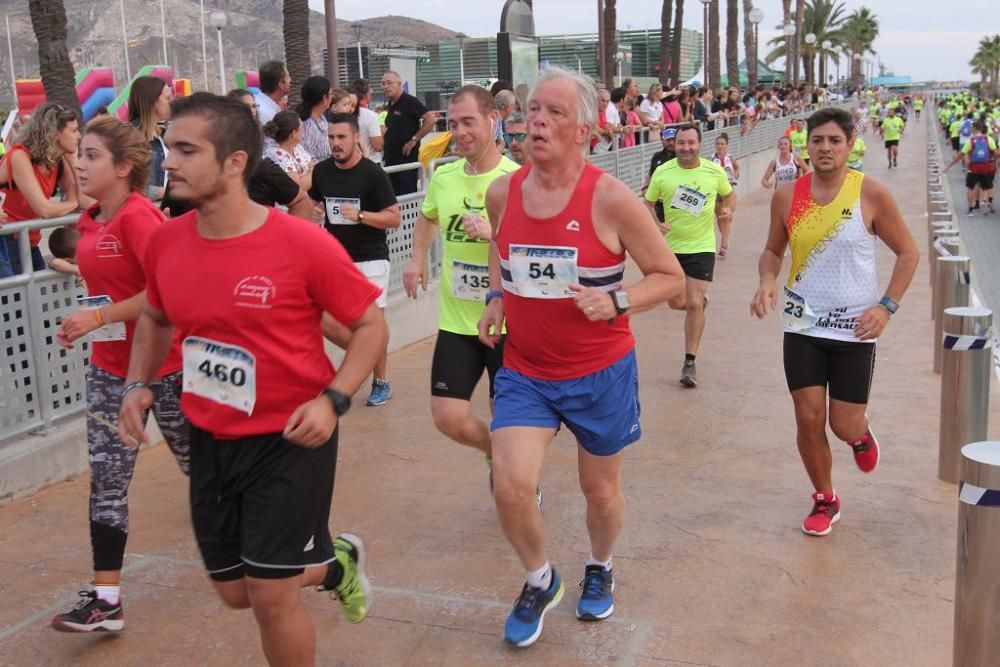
point(825, 513)
point(866, 452)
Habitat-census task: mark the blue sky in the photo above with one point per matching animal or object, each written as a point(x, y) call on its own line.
point(925, 39)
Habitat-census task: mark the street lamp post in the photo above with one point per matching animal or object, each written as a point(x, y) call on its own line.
point(128, 65)
point(218, 19)
point(204, 43)
point(789, 31)
point(163, 31)
point(461, 37)
point(756, 16)
point(357, 28)
point(827, 45)
point(579, 63)
point(620, 58)
point(705, 4)
point(810, 39)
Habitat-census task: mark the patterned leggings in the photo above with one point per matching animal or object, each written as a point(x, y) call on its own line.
point(112, 464)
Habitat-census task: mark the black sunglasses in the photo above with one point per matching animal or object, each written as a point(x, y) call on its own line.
point(517, 136)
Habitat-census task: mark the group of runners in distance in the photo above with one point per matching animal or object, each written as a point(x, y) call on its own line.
point(215, 320)
point(972, 125)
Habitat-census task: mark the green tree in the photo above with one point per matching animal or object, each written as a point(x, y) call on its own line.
point(986, 63)
point(748, 44)
point(610, 41)
point(48, 20)
point(295, 14)
point(823, 18)
point(714, 71)
point(857, 34)
point(675, 43)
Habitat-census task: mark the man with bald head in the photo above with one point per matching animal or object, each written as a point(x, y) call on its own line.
point(407, 122)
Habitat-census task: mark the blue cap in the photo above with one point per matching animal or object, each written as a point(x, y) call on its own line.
point(668, 133)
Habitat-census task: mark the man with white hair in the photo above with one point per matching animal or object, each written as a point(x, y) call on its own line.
point(506, 103)
point(569, 356)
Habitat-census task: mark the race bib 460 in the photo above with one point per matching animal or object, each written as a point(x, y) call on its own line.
point(225, 374)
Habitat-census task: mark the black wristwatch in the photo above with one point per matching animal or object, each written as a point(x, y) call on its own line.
point(341, 403)
point(620, 298)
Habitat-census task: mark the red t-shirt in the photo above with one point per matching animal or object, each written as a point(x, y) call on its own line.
point(110, 257)
point(264, 291)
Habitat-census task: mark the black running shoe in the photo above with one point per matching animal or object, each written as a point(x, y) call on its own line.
point(91, 614)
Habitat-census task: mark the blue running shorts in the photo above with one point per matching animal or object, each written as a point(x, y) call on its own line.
point(600, 409)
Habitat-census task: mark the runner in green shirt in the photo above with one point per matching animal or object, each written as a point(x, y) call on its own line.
point(800, 139)
point(856, 159)
point(892, 131)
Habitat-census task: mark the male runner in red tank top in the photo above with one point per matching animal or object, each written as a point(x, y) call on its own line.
point(569, 356)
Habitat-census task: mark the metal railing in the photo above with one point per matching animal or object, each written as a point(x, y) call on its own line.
point(41, 382)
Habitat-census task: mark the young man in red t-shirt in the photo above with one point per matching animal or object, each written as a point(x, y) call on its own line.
point(245, 287)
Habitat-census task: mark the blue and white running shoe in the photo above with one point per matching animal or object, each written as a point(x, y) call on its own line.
point(524, 624)
point(596, 601)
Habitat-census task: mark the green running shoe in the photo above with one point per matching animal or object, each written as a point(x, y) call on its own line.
point(353, 590)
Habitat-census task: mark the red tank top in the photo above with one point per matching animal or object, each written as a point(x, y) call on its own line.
point(548, 338)
point(16, 205)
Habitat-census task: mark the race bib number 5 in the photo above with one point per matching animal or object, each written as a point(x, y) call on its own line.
point(334, 213)
point(469, 282)
point(225, 374)
point(796, 313)
point(688, 200)
point(543, 272)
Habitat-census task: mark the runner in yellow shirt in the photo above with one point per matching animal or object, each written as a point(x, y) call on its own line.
point(892, 131)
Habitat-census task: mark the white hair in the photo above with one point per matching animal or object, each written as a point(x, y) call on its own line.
point(586, 94)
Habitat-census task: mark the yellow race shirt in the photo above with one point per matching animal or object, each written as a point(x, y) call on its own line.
point(892, 128)
point(858, 149)
point(688, 197)
point(464, 278)
point(800, 143)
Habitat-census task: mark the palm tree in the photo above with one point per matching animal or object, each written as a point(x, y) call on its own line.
point(986, 63)
point(857, 34)
point(823, 18)
point(666, 68)
point(48, 20)
point(786, 13)
point(732, 42)
point(800, 7)
point(610, 32)
point(675, 46)
point(749, 46)
point(296, 33)
point(714, 71)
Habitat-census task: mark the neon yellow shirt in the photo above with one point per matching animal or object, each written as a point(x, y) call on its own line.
point(800, 142)
point(918, 104)
point(854, 160)
point(892, 128)
point(450, 195)
point(955, 128)
point(689, 197)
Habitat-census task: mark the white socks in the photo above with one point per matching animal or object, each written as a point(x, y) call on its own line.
point(109, 593)
point(605, 564)
point(541, 578)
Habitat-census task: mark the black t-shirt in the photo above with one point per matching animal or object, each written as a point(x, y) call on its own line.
point(401, 123)
point(365, 181)
point(660, 157)
point(269, 186)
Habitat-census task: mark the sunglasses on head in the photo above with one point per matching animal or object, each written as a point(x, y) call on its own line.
point(516, 136)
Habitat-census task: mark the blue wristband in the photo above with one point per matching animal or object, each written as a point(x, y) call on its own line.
point(493, 294)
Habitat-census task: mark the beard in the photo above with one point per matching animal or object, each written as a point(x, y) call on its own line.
point(217, 189)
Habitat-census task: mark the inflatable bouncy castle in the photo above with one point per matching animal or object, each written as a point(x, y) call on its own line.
point(95, 88)
point(119, 106)
point(248, 79)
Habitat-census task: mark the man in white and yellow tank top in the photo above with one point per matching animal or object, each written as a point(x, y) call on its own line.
point(830, 303)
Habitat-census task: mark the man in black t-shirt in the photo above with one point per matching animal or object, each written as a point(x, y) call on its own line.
point(358, 207)
point(407, 122)
point(668, 137)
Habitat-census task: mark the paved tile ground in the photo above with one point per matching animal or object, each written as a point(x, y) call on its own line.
point(712, 567)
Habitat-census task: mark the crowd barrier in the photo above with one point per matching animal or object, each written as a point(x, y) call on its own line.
point(40, 382)
point(965, 352)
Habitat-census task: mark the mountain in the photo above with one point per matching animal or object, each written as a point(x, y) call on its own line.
point(251, 36)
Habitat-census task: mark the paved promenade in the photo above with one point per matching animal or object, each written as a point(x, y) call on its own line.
point(712, 568)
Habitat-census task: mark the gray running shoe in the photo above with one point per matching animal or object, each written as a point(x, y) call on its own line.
point(689, 375)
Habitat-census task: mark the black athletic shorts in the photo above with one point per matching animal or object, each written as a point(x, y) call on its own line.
point(459, 361)
point(845, 367)
point(984, 181)
point(260, 505)
point(889, 143)
point(956, 144)
point(698, 265)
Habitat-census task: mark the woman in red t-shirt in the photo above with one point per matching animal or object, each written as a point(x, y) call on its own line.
point(41, 160)
point(114, 168)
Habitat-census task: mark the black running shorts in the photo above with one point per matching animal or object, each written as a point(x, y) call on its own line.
point(845, 367)
point(984, 181)
point(698, 265)
point(889, 143)
point(459, 361)
point(260, 505)
point(956, 144)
